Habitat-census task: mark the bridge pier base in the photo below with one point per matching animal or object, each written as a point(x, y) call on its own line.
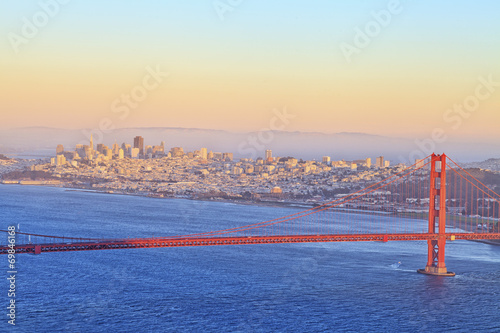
point(437, 214)
point(435, 271)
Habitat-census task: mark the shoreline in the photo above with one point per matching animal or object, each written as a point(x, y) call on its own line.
point(297, 205)
point(236, 202)
point(287, 204)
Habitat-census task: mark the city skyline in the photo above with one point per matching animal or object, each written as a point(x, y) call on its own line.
point(141, 151)
point(39, 142)
point(152, 170)
point(417, 75)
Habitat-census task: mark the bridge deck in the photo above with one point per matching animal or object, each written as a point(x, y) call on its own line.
point(217, 241)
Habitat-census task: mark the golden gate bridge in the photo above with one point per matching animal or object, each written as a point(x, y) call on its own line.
point(457, 206)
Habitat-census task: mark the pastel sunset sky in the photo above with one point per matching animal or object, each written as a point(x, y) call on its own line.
point(229, 69)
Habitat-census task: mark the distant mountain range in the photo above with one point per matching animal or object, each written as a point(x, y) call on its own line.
point(42, 141)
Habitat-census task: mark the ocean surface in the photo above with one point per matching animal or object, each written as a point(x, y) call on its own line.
point(324, 287)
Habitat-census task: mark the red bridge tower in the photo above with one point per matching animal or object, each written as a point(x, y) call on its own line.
point(437, 210)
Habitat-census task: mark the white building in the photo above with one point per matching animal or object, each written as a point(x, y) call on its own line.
point(203, 153)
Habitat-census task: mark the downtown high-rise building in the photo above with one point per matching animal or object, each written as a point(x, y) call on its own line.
point(116, 148)
point(139, 143)
point(100, 148)
point(177, 152)
point(203, 153)
point(134, 152)
point(379, 162)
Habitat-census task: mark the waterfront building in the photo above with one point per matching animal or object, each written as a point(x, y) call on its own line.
point(276, 190)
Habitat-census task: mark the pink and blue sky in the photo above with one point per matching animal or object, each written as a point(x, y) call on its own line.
point(230, 74)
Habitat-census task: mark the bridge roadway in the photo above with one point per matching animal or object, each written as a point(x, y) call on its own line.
point(140, 243)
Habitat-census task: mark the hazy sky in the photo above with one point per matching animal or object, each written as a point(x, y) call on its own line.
point(230, 65)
